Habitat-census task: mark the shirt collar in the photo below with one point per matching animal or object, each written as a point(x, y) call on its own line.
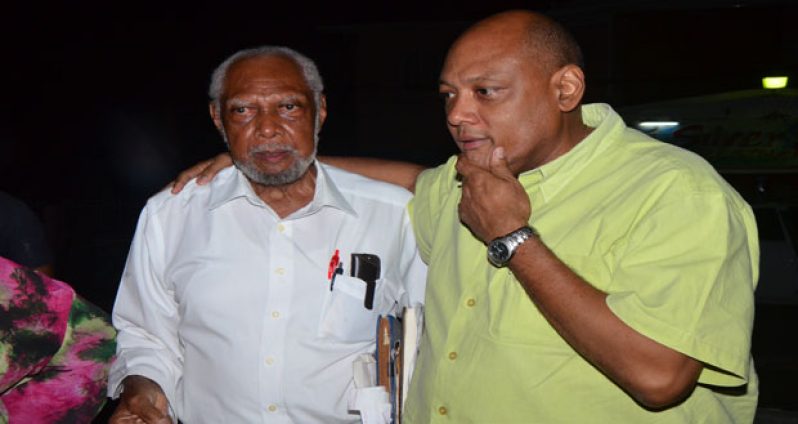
point(226, 188)
point(327, 194)
point(555, 175)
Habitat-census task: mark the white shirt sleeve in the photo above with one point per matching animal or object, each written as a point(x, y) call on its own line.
point(414, 269)
point(145, 314)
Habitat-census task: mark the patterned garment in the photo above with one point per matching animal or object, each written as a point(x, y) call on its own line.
point(55, 350)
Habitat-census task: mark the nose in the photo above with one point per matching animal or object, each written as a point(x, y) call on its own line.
point(460, 110)
point(267, 124)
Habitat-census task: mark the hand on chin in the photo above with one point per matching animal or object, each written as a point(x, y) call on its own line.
point(479, 157)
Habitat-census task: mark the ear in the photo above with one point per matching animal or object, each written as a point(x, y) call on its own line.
point(569, 83)
point(322, 111)
point(216, 115)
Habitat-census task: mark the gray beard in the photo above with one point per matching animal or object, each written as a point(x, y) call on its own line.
point(288, 176)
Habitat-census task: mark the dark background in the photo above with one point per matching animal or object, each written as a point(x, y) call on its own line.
point(104, 103)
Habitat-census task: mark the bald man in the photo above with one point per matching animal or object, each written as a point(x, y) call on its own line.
point(579, 271)
point(620, 273)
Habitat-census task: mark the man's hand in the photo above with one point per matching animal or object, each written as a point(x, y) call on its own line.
point(494, 202)
point(142, 401)
point(203, 171)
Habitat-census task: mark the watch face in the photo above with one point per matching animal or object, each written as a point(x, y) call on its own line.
point(498, 252)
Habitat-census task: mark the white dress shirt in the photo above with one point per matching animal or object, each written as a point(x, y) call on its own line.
point(229, 309)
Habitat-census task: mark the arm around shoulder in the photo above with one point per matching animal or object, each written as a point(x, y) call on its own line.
point(395, 172)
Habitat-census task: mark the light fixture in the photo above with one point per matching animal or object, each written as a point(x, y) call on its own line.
point(658, 124)
point(774, 82)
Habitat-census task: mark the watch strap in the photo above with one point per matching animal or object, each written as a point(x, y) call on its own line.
point(511, 241)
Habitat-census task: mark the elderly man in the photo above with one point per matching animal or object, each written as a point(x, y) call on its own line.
point(580, 271)
point(239, 301)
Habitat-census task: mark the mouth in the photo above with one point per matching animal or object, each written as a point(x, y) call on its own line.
point(471, 143)
point(272, 156)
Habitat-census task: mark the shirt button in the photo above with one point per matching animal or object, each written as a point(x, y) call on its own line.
point(452, 355)
point(279, 271)
point(269, 360)
point(471, 302)
point(442, 410)
point(280, 227)
point(272, 408)
point(276, 314)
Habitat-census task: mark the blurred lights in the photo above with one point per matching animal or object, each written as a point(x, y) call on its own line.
point(658, 124)
point(774, 82)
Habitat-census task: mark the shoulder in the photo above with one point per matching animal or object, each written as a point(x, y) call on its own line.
point(192, 195)
point(434, 190)
point(662, 163)
point(441, 178)
point(356, 186)
point(17, 216)
point(11, 206)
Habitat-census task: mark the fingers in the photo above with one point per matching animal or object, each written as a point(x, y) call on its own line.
point(203, 171)
point(152, 415)
point(499, 165)
point(465, 167)
point(142, 401)
point(138, 411)
point(220, 162)
point(184, 177)
point(122, 415)
point(492, 201)
point(128, 418)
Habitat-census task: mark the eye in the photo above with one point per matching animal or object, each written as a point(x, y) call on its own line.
point(446, 95)
point(486, 91)
point(290, 106)
point(240, 112)
point(239, 109)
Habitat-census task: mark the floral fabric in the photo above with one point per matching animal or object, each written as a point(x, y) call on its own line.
point(55, 350)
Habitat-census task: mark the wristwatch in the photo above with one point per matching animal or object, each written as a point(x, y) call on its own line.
point(501, 249)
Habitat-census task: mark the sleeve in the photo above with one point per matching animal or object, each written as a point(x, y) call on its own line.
point(146, 314)
point(686, 279)
point(414, 271)
point(432, 188)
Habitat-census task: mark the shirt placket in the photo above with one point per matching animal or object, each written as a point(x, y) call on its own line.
point(471, 307)
point(275, 323)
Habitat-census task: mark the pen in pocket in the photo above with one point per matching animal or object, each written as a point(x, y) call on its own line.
point(338, 271)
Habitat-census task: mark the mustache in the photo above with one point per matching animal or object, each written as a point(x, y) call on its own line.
point(273, 147)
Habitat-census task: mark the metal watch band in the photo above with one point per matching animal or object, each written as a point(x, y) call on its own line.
point(498, 255)
point(521, 235)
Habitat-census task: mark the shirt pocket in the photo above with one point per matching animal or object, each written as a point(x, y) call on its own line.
point(344, 316)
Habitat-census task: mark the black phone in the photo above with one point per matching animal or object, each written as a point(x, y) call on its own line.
point(366, 267)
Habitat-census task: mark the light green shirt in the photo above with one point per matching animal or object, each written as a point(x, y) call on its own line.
point(652, 225)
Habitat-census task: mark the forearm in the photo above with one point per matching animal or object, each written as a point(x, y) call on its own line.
point(652, 373)
point(394, 172)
